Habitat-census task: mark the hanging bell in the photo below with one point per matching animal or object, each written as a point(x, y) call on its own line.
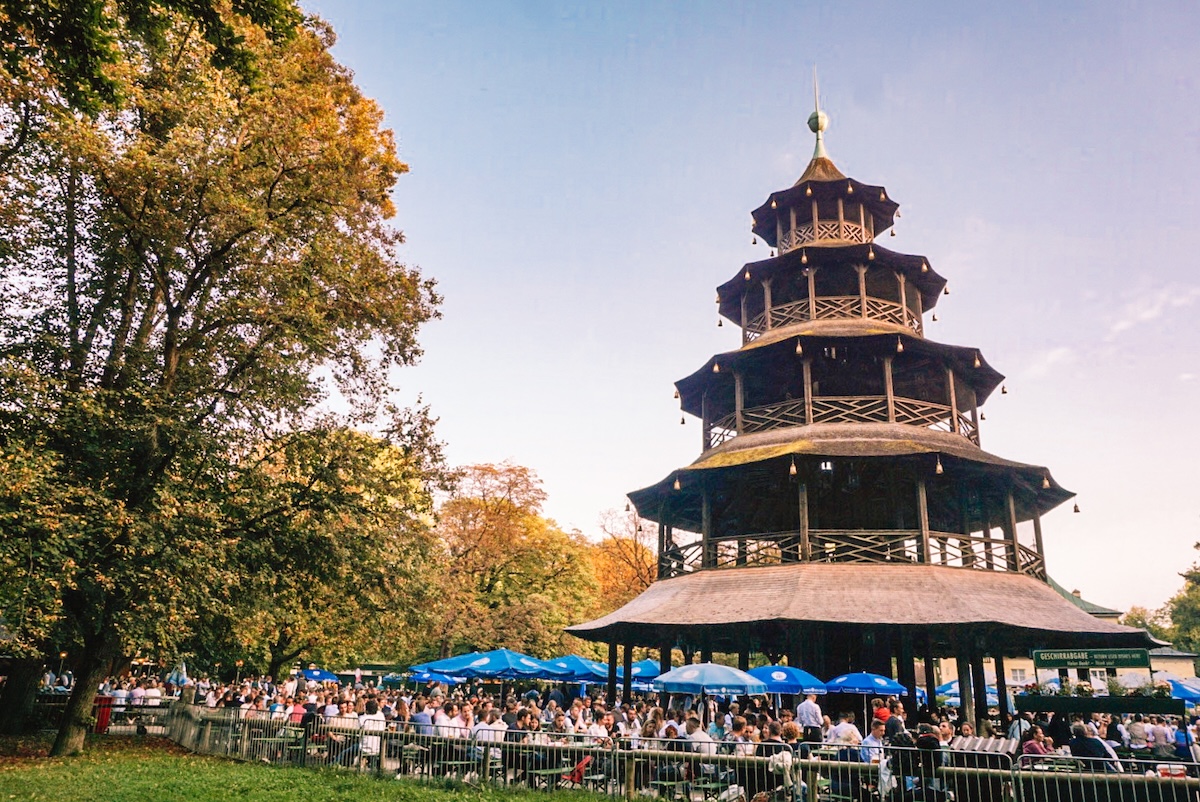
point(1004, 389)
point(935, 317)
point(682, 420)
point(882, 195)
point(626, 506)
point(938, 469)
point(1076, 508)
point(792, 470)
point(893, 232)
point(978, 362)
point(870, 252)
point(1045, 482)
point(799, 348)
point(772, 253)
point(746, 275)
point(849, 189)
point(803, 257)
point(924, 267)
point(716, 368)
point(808, 192)
point(677, 395)
point(983, 416)
point(773, 204)
point(899, 346)
point(720, 323)
point(754, 241)
point(677, 485)
point(946, 291)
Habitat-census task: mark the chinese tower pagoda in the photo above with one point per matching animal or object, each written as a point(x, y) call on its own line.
point(843, 512)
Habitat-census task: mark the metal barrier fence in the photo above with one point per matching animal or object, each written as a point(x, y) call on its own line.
point(670, 769)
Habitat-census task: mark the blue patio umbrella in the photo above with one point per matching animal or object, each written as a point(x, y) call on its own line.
point(432, 676)
point(502, 664)
point(643, 670)
point(787, 679)
point(863, 682)
point(319, 675)
point(1181, 690)
point(709, 678)
point(581, 668)
point(954, 701)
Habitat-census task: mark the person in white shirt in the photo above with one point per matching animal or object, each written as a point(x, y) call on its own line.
point(700, 740)
point(872, 745)
point(845, 725)
point(600, 731)
point(808, 716)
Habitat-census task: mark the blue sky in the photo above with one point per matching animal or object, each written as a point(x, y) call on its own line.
point(582, 176)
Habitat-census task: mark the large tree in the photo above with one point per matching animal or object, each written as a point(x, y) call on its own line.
point(509, 576)
point(181, 279)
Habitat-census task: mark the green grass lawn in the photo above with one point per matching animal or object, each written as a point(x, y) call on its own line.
point(133, 769)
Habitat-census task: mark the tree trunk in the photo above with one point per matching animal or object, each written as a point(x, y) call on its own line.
point(18, 695)
point(93, 665)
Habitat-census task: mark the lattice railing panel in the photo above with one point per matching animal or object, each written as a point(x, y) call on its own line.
point(849, 409)
point(838, 306)
point(789, 313)
point(826, 230)
point(831, 307)
point(771, 416)
point(851, 546)
point(1032, 562)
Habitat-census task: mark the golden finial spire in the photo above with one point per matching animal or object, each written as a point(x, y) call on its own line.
point(818, 121)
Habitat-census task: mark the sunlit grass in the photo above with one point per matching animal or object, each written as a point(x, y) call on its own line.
point(118, 769)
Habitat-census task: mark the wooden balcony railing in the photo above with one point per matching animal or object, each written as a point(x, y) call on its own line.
point(831, 307)
point(840, 409)
point(855, 546)
point(804, 234)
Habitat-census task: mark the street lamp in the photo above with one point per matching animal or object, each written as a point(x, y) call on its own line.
point(61, 657)
point(239, 672)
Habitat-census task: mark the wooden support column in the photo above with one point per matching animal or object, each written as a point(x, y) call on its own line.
point(738, 400)
point(953, 400)
point(663, 546)
point(795, 239)
point(744, 659)
point(707, 550)
point(964, 524)
point(808, 391)
point(979, 685)
point(989, 559)
point(1010, 518)
point(966, 694)
point(841, 219)
point(816, 221)
point(975, 418)
point(1037, 536)
point(779, 233)
point(862, 289)
point(805, 544)
point(745, 331)
point(900, 280)
point(766, 285)
point(923, 518)
point(930, 672)
point(627, 669)
point(610, 696)
point(862, 227)
point(906, 669)
point(1001, 684)
point(811, 273)
point(705, 423)
point(705, 655)
point(887, 386)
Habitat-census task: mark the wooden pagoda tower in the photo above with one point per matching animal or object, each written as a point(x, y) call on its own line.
point(843, 513)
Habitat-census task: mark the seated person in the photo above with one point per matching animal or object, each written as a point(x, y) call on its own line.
point(1097, 755)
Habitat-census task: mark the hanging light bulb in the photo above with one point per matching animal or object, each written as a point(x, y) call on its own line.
point(1076, 508)
point(870, 252)
point(1004, 389)
point(978, 361)
point(677, 485)
point(808, 192)
point(1045, 482)
point(899, 346)
point(792, 470)
point(924, 267)
point(938, 469)
point(676, 395)
point(803, 257)
point(754, 241)
point(799, 347)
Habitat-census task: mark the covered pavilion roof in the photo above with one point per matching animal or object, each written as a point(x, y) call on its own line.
point(731, 607)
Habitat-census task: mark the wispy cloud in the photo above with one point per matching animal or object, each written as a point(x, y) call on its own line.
point(1150, 307)
point(1044, 363)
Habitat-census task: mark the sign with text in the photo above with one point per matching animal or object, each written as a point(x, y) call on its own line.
point(1091, 658)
